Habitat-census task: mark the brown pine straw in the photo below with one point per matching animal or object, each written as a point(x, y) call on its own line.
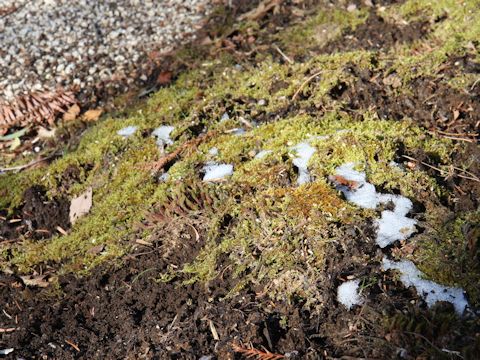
point(34, 108)
point(451, 172)
point(252, 353)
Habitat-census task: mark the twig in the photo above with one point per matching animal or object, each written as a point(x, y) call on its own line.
point(72, 345)
point(472, 177)
point(287, 59)
point(8, 330)
point(305, 83)
point(470, 137)
point(252, 353)
point(160, 164)
point(26, 166)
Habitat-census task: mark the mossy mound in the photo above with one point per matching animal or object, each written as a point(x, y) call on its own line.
point(271, 233)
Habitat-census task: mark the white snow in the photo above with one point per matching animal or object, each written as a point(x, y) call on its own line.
point(364, 195)
point(304, 152)
point(393, 225)
point(213, 151)
point(164, 177)
point(262, 153)
point(429, 290)
point(225, 117)
point(162, 134)
point(127, 131)
point(6, 351)
point(238, 131)
point(214, 171)
point(347, 294)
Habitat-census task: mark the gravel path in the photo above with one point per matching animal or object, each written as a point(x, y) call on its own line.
point(45, 44)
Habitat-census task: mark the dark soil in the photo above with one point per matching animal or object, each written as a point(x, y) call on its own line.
point(124, 312)
point(377, 34)
point(38, 218)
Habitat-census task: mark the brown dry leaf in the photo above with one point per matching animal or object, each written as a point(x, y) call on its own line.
point(92, 115)
point(71, 113)
point(81, 205)
point(44, 133)
point(35, 280)
point(96, 249)
point(164, 78)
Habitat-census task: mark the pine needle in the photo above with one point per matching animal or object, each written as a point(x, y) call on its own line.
point(35, 108)
point(252, 353)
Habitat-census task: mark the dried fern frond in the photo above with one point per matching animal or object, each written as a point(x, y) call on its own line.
point(252, 353)
point(34, 108)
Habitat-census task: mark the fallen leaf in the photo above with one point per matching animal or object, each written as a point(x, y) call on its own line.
point(92, 115)
point(44, 133)
point(72, 113)
point(15, 143)
point(14, 135)
point(81, 205)
point(164, 78)
point(35, 280)
point(96, 249)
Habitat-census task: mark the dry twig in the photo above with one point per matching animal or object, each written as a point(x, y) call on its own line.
point(451, 172)
point(305, 83)
point(252, 353)
point(189, 145)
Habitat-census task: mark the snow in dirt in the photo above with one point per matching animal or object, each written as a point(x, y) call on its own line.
point(429, 290)
point(127, 131)
point(393, 225)
point(6, 351)
point(304, 152)
point(347, 294)
point(162, 134)
point(214, 171)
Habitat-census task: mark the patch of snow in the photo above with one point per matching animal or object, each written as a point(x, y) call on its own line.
point(162, 134)
point(225, 117)
point(262, 153)
point(238, 131)
point(347, 294)
point(127, 131)
point(393, 225)
point(164, 177)
point(213, 151)
point(6, 351)
point(429, 290)
point(214, 171)
point(304, 152)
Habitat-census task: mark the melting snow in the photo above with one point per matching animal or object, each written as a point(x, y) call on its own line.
point(225, 117)
point(162, 134)
point(6, 351)
point(431, 291)
point(261, 154)
point(127, 131)
point(347, 294)
point(214, 171)
point(213, 151)
point(393, 225)
point(304, 152)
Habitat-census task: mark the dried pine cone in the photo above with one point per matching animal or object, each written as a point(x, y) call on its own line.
point(34, 108)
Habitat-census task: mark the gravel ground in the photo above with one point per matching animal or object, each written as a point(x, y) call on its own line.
point(88, 44)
